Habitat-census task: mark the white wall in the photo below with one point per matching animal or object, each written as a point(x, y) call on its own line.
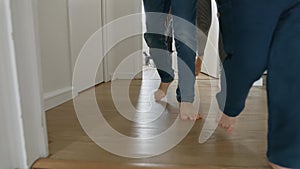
point(65, 26)
point(85, 18)
point(12, 144)
point(55, 51)
point(115, 9)
point(23, 139)
point(27, 61)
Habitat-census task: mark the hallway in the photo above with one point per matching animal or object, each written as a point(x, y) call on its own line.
point(40, 45)
point(245, 148)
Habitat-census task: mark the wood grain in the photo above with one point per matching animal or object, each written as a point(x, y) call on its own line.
point(71, 164)
point(245, 148)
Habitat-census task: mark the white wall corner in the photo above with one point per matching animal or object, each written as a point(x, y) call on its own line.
point(57, 97)
point(24, 138)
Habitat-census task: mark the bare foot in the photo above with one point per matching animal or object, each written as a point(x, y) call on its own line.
point(226, 122)
point(274, 166)
point(198, 63)
point(161, 91)
point(187, 112)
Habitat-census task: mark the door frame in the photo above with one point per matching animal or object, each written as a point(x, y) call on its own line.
point(25, 134)
point(138, 63)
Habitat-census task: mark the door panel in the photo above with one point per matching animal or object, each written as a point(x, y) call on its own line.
point(119, 21)
point(85, 17)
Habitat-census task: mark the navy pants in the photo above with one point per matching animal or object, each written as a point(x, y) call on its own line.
point(261, 35)
point(185, 40)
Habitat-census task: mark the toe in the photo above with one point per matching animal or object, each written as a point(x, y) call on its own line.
point(230, 129)
point(183, 117)
point(192, 118)
point(199, 116)
point(158, 95)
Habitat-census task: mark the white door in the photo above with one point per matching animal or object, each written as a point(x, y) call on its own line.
point(85, 17)
point(122, 46)
point(23, 131)
point(211, 59)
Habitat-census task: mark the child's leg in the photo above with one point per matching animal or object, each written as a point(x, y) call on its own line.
point(156, 40)
point(248, 50)
point(186, 44)
point(198, 65)
point(189, 112)
point(161, 91)
point(226, 122)
point(283, 90)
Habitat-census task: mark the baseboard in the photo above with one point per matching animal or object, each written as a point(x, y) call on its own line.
point(72, 164)
point(57, 97)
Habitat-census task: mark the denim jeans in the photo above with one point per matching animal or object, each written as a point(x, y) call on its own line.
point(261, 35)
point(184, 20)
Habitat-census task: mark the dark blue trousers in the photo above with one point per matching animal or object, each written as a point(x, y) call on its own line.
point(261, 35)
point(185, 40)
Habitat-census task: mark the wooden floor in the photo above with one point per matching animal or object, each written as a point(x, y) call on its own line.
point(245, 148)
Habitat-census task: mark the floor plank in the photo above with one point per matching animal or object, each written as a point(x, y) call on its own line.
point(71, 164)
point(245, 148)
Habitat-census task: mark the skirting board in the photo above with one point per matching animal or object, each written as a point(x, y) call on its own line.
point(71, 164)
point(57, 97)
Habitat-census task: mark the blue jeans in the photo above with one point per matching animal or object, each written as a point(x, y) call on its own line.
point(261, 35)
point(185, 41)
